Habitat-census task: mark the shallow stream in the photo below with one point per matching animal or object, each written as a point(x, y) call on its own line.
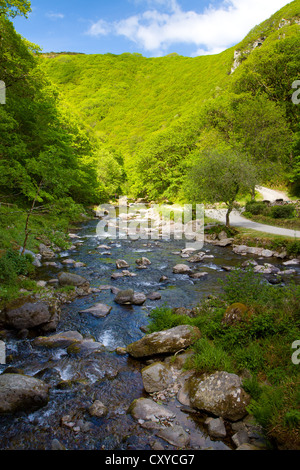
point(77, 380)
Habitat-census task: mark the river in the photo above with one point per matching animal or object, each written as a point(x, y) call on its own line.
point(77, 380)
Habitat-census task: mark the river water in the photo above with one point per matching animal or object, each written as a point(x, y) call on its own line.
point(79, 379)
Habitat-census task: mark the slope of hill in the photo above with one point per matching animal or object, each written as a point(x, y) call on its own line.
point(128, 101)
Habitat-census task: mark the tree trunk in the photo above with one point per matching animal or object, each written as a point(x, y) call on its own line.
point(27, 232)
point(229, 210)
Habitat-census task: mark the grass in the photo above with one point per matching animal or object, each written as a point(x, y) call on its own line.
point(260, 344)
point(292, 224)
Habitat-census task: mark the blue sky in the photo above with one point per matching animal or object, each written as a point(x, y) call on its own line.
point(151, 27)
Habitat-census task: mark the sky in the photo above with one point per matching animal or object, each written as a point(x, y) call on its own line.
point(153, 28)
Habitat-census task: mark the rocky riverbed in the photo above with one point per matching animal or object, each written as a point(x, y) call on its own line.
point(82, 374)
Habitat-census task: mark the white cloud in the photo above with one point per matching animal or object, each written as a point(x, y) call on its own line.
point(55, 16)
point(211, 31)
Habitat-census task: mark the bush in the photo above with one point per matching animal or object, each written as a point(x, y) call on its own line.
point(256, 208)
point(282, 212)
point(12, 264)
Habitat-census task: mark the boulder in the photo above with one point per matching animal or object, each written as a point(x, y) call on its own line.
point(139, 298)
point(181, 269)
point(121, 264)
point(98, 409)
point(154, 296)
point(224, 242)
point(68, 279)
point(216, 428)
point(164, 342)
point(22, 393)
point(98, 310)
point(59, 340)
point(196, 258)
point(46, 252)
point(147, 410)
point(198, 275)
point(220, 394)
point(124, 297)
point(157, 377)
point(27, 315)
point(267, 268)
point(235, 313)
point(174, 435)
point(129, 297)
point(143, 262)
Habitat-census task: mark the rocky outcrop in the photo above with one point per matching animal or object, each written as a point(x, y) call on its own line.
point(22, 393)
point(220, 394)
point(164, 342)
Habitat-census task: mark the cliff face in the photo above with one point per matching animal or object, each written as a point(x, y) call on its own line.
point(242, 53)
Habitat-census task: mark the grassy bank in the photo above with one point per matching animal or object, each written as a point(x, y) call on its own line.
point(50, 227)
point(259, 347)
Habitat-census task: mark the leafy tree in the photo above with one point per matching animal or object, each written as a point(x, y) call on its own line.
point(15, 7)
point(220, 176)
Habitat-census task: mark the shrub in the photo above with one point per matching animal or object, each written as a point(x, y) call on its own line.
point(283, 212)
point(12, 264)
point(256, 208)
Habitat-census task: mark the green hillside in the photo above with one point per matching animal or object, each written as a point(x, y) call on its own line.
point(134, 107)
point(125, 98)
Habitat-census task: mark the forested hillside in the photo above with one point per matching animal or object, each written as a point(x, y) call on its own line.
point(157, 115)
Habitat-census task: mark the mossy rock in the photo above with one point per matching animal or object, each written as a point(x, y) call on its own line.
point(236, 313)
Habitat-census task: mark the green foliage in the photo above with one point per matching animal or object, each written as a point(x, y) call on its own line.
point(209, 358)
point(162, 318)
point(15, 7)
point(292, 419)
point(256, 208)
point(12, 264)
point(283, 212)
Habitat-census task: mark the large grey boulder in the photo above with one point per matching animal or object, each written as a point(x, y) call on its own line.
point(220, 394)
point(22, 393)
point(164, 342)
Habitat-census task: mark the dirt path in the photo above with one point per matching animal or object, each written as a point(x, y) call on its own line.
point(271, 195)
point(236, 220)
